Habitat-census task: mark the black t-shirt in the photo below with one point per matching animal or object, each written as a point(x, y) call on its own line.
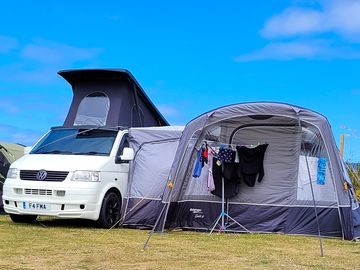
point(251, 163)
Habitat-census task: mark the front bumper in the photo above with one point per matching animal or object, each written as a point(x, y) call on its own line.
point(64, 199)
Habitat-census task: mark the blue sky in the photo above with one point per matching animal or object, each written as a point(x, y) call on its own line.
point(189, 56)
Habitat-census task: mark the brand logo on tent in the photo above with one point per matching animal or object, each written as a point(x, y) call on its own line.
point(197, 212)
point(41, 175)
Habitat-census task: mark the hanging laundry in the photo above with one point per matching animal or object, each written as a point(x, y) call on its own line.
point(231, 186)
point(204, 154)
point(251, 166)
point(226, 172)
point(321, 172)
point(225, 155)
point(229, 168)
point(198, 164)
point(237, 159)
point(210, 179)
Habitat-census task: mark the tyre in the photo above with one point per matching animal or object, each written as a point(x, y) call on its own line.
point(110, 212)
point(23, 218)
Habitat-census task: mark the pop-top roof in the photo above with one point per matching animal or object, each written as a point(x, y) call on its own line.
point(128, 104)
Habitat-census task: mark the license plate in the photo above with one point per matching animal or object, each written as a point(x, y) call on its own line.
point(36, 206)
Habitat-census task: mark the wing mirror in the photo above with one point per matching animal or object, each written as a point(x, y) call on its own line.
point(127, 155)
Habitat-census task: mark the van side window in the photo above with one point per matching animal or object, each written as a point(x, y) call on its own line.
point(124, 143)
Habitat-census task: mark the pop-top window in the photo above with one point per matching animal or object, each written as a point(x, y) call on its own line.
point(93, 110)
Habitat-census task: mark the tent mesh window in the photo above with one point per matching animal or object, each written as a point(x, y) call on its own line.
point(314, 166)
point(93, 110)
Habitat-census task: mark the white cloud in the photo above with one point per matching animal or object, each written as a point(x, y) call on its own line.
point(308, 49)
point(321, 30)
point(12, 134)
point(168, 110)
point(293, 21)
point(41, 76)
point(23, 73)
point(7, 44)
point(9, 107)
point(344, 17)
point(53, 52)
point(39, 61)
point(282, 51)
point(341, 17)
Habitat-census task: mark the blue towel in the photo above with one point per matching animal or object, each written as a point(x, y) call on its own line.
point(321, 173)
point(198, 165)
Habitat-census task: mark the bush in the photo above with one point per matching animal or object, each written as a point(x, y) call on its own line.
point(354, 174)
point(358, 194)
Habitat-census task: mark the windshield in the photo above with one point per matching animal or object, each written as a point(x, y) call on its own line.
point(76, 142)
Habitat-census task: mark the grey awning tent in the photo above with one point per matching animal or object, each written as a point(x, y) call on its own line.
point(290, 195)
point(109, 97)
point(155, 149)
point(9, 152)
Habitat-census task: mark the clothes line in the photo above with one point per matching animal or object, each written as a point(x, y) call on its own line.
point(229, 144)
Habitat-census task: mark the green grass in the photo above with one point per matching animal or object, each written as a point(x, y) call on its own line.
point(55, 244)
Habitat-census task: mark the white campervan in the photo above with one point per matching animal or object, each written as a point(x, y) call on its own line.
point(80, 170)
point(71, 173)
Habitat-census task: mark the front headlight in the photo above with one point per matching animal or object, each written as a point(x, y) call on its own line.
point(13, 173)
point(91, 176)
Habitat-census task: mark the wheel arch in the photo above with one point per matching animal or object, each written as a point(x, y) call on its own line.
point(104, 213)
point(115, 190)
point(106, 190)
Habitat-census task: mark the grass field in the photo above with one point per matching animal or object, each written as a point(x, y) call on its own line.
point(59, 244)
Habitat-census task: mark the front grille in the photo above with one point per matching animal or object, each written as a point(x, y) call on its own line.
point(56, 176)
point(42, 192)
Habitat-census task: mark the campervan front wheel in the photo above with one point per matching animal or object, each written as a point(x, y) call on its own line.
point(23, 218)
point(110, 210)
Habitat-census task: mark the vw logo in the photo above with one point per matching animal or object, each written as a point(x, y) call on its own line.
point(41, 175)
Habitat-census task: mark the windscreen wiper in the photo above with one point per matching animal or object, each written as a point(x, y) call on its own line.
point(54, 152)
point(91, 153)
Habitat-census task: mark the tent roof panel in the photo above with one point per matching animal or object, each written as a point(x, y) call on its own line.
point(265, 106)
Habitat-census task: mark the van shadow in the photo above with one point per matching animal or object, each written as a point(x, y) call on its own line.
point(66, 223)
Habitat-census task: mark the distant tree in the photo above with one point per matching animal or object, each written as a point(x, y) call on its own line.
point(354, 173)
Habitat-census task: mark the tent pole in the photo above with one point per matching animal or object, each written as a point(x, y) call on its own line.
point(222, 205)
point(337, 200)
point(315, 209)
point(146, 244)
point(312, 190)
point(177, 172)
